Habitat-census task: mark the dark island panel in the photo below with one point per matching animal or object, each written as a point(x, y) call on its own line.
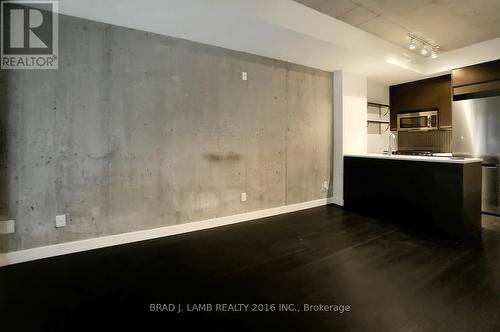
point(435, 196)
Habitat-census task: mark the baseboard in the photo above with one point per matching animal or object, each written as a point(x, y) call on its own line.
point(336, 200)
point(27, 255)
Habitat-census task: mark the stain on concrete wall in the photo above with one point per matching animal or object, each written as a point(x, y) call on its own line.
point(217, 157)
point(137, 131)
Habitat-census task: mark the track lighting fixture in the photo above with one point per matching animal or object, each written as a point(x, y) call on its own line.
point(427, 47)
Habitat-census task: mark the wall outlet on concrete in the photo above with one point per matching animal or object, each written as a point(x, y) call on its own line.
point(7, 227)
point(61, 221)
point(244, 76)
point(243, 197)
point(325, 186)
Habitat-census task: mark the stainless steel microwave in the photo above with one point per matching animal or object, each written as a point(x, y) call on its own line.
point(418, 121)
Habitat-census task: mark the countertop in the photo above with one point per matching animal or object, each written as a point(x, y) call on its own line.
point(436, 159)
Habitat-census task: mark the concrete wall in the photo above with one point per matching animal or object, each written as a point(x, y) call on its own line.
point(137, 131)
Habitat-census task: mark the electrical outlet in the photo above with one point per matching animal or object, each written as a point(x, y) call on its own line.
point(243, 197)
point(244, 76)
point(61, 221)
point(7, 227)
point(325, 186)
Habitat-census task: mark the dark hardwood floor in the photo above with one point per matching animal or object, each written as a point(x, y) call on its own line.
point(393, 279)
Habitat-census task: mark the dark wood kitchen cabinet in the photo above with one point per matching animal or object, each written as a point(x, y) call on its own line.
point(421, 95)
point(476, 81)
point(438, 196)
point(484, 72)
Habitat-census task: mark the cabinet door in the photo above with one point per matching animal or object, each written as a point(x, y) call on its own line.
point(444, 97)
point(484, 72)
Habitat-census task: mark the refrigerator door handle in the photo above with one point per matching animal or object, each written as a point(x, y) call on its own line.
point(490, 166)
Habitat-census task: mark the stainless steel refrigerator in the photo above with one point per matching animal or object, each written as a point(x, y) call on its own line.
point(476, 133)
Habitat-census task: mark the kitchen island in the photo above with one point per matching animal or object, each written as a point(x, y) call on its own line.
point(438, 194)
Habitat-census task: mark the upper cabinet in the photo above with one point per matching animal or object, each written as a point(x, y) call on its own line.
point(476, 81)
point(421, 95)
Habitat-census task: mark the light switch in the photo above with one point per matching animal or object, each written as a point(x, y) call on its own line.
point(61, 221)
point(7, 227)
point(243, 197)
point(244, 76)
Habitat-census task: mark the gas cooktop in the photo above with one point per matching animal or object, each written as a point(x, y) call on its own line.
point(415, 152)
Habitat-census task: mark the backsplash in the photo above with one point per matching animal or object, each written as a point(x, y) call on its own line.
point(435, 140)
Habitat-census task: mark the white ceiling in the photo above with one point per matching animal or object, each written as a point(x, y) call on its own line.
point(280, 29)
point(451, 24)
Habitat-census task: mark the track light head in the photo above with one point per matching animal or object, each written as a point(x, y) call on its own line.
point(435, 52)
point(412, 45)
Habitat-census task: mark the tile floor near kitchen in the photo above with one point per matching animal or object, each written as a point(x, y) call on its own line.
point(393, 279)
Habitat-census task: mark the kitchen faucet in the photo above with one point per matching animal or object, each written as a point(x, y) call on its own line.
point(392, 139)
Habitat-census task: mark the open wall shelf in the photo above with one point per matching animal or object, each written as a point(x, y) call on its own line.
point(383, 116)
